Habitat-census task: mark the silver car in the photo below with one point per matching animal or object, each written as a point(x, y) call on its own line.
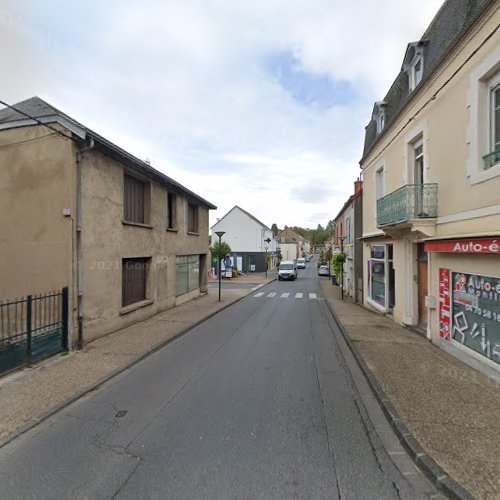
point(323, 271)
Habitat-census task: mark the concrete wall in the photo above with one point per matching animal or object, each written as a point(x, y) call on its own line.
point(36, 180)
point(106, 240)
point(35, 186)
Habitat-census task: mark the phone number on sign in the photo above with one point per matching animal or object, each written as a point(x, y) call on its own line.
point(484, 313)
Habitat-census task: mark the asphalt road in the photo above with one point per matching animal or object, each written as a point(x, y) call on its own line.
point(261, 401)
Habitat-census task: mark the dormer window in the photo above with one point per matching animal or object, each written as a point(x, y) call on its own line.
point(416, 73)
point(379, 115)
point(413, 63)
point(380, 122)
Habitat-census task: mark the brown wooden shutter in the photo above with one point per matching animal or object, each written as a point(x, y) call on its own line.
point(134, 273)
point(133, 199)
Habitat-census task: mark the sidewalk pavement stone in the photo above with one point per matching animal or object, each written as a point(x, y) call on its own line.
point(452, 410)
point(30, 395)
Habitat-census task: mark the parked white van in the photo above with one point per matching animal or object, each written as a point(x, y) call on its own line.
point(287, 270)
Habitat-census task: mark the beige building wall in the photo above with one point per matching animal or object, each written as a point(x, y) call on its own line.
point(448, 114)
point(35, 187)
point(106, 240)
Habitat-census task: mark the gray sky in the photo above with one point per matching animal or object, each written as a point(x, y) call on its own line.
point(259, 103)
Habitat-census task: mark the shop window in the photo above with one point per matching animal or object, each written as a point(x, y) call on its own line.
point(476, 313)
point(187, 273)
point(381, 276)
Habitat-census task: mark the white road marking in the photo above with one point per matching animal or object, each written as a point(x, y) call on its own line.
point(299, 295)
point(313, 296)
point(256, 288)
point(284, 295)
point(259, 294)
point(272, 294)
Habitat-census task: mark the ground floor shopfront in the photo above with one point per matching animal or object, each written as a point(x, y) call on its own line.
point(464, 299)
point(395, 279)
point(447, 289)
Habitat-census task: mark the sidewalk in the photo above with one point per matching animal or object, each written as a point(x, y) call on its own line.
point(452, 410)
point(253, 278)
point(29, 395)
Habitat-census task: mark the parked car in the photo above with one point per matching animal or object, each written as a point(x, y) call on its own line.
point(301, 263)
point(287, 270)
point(323, 270)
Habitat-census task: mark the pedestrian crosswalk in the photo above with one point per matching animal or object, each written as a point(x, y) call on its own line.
point(286, 295)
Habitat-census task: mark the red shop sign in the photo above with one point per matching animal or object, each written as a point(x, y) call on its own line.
point(471, 245)
point(444, 304)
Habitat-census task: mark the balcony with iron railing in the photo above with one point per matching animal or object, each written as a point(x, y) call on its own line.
point(408, 203)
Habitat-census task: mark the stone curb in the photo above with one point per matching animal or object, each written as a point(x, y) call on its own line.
point(441, 480)
point(30, 425)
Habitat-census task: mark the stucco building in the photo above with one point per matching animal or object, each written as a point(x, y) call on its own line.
point(349, 226)
point(77, 211)
point(250, 240)
point(292, 245)
point(431, 167)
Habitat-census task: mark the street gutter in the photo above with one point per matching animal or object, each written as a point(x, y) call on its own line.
point(438, 476)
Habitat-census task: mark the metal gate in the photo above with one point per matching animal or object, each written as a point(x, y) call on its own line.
point(32, 328)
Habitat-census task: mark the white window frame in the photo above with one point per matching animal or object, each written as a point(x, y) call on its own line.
point(493, 86)
point(380, 121)
point(481, 81)
point(417, 144)
point(413, 72)
point(386, 261)
point(419, 133)
point(380, 174)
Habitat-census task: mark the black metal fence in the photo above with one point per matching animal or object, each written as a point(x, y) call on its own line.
point(32, 328)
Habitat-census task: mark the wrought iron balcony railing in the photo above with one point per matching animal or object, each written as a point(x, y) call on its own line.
point(409, 202)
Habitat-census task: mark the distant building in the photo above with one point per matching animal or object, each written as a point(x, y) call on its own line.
point(292, 245)
point(77, 211)
point(431, 169)
point(250, 240)
point(349, 226)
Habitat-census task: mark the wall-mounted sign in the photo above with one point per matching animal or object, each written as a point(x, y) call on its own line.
point(444, 304)
point(472, 245)
point(476, 313)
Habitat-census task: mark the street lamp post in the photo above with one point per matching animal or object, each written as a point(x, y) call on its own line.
point(342, 238)
point(220, 234)
point(265, 258)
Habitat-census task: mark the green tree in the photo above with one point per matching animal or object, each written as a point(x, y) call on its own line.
point(274, 229)
point(219, 251)
point(338, 261)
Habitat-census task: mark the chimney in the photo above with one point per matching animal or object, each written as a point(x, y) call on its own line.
point(358, 186)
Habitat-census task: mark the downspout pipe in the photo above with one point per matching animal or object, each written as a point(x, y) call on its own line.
point(79, 279)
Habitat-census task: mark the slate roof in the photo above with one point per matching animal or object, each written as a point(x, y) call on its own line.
point(451, 23)
point(42, 111)
point(246, 213)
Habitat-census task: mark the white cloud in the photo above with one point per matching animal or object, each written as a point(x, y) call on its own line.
point(185, 84)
